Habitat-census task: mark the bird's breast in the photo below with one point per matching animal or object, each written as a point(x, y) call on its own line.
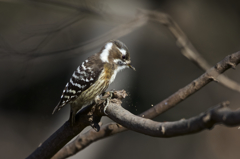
point(99, 86)
point(108, 71)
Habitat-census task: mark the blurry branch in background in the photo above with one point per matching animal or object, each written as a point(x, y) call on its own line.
point(115, 33)
point(166, 129)
point(50, 33)
point(187, 49)
point(92, 8)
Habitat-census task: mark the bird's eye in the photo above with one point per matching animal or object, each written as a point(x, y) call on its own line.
point(123, 56)
point(119, 62)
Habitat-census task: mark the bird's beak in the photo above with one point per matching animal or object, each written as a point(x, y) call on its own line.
point(130, 66)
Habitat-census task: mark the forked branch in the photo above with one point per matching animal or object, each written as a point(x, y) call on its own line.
point(110, 129)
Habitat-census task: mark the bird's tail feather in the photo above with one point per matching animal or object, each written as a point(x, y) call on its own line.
point(57, 108)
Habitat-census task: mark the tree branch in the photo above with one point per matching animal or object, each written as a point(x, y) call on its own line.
point(84, 140)
point(106, 130)
point(187, 48)
point(218, 114)
point(88, 116)
point(210, 75)
point(61, 137)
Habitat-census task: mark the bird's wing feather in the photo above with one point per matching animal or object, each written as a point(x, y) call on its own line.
point(85, 75)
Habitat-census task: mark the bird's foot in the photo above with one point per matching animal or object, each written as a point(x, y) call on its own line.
point(106, 105)
point(107, 99)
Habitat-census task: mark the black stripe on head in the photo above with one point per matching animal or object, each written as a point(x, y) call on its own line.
point(121, 46)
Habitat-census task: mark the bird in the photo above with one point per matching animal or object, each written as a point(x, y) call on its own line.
point(91, 79)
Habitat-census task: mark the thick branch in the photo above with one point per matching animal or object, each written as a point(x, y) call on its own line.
point(88, 116)
point(84, 140)
point(89, 137)
point(60, 138)
point(218, 114)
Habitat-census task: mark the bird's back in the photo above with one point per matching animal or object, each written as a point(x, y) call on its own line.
point(82, 79)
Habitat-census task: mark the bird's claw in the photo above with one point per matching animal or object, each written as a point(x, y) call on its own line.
point(107, 101)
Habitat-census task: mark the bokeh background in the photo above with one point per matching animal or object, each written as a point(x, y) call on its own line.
point(42, 43)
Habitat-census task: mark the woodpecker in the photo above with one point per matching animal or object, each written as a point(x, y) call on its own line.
point(93, 76)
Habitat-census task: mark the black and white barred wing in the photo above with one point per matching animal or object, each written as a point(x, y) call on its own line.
point(81, 80)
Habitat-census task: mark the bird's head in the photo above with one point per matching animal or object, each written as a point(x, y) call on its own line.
point(115, 52)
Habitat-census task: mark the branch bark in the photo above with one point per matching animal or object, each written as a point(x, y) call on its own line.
point(84, 140)
point(60, 138)
point(88, 116)
point(89, 137)
point(218, 114)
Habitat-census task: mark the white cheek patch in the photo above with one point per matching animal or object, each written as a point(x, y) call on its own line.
point(105, 53)
point(122, 51)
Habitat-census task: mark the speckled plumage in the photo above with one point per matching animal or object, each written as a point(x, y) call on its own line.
point(93, 76)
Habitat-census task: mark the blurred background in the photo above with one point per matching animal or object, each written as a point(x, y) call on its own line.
point(43, 42)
